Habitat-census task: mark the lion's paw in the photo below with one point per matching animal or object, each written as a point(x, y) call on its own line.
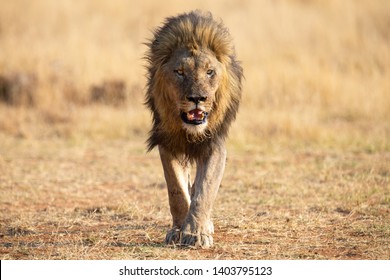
point(173, 236)
point(197, 240)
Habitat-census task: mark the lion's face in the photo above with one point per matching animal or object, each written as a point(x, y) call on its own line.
point(194, 77)
point(194, 84)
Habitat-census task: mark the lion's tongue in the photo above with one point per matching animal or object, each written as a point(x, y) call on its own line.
point(195, 114)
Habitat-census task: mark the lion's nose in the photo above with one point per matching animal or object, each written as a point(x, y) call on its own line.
point(196, 99)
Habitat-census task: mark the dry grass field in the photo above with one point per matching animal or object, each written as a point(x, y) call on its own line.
point(308, 171)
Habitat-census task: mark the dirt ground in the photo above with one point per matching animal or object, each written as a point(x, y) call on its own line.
point(88, 200)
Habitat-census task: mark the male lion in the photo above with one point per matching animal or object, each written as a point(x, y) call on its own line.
point(193, 92)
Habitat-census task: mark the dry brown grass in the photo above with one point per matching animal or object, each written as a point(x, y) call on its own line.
point(308, 174)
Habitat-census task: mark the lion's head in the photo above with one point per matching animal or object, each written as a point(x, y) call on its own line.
point(194, 83)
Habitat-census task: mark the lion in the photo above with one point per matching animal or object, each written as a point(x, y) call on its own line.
point(193, 92)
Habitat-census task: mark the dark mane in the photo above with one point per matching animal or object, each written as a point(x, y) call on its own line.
point(192, 30)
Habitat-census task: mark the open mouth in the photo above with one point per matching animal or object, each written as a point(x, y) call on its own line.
point(194, 117)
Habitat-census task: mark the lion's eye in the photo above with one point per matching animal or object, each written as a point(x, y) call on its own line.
point(210, 72)
point(179, 72)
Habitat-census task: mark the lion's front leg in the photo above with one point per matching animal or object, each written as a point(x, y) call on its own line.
point(198, 228)
point(176, 172)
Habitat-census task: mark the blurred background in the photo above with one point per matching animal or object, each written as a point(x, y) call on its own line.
point(307, 175)
point(317, 73)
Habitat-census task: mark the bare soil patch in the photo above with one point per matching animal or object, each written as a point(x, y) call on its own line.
point(108, 201)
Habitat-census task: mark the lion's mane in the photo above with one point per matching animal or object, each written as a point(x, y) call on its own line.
point(194, 30)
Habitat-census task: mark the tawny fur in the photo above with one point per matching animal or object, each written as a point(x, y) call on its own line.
point(192, 55)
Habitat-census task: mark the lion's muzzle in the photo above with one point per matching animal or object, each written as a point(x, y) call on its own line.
point(194, 117)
